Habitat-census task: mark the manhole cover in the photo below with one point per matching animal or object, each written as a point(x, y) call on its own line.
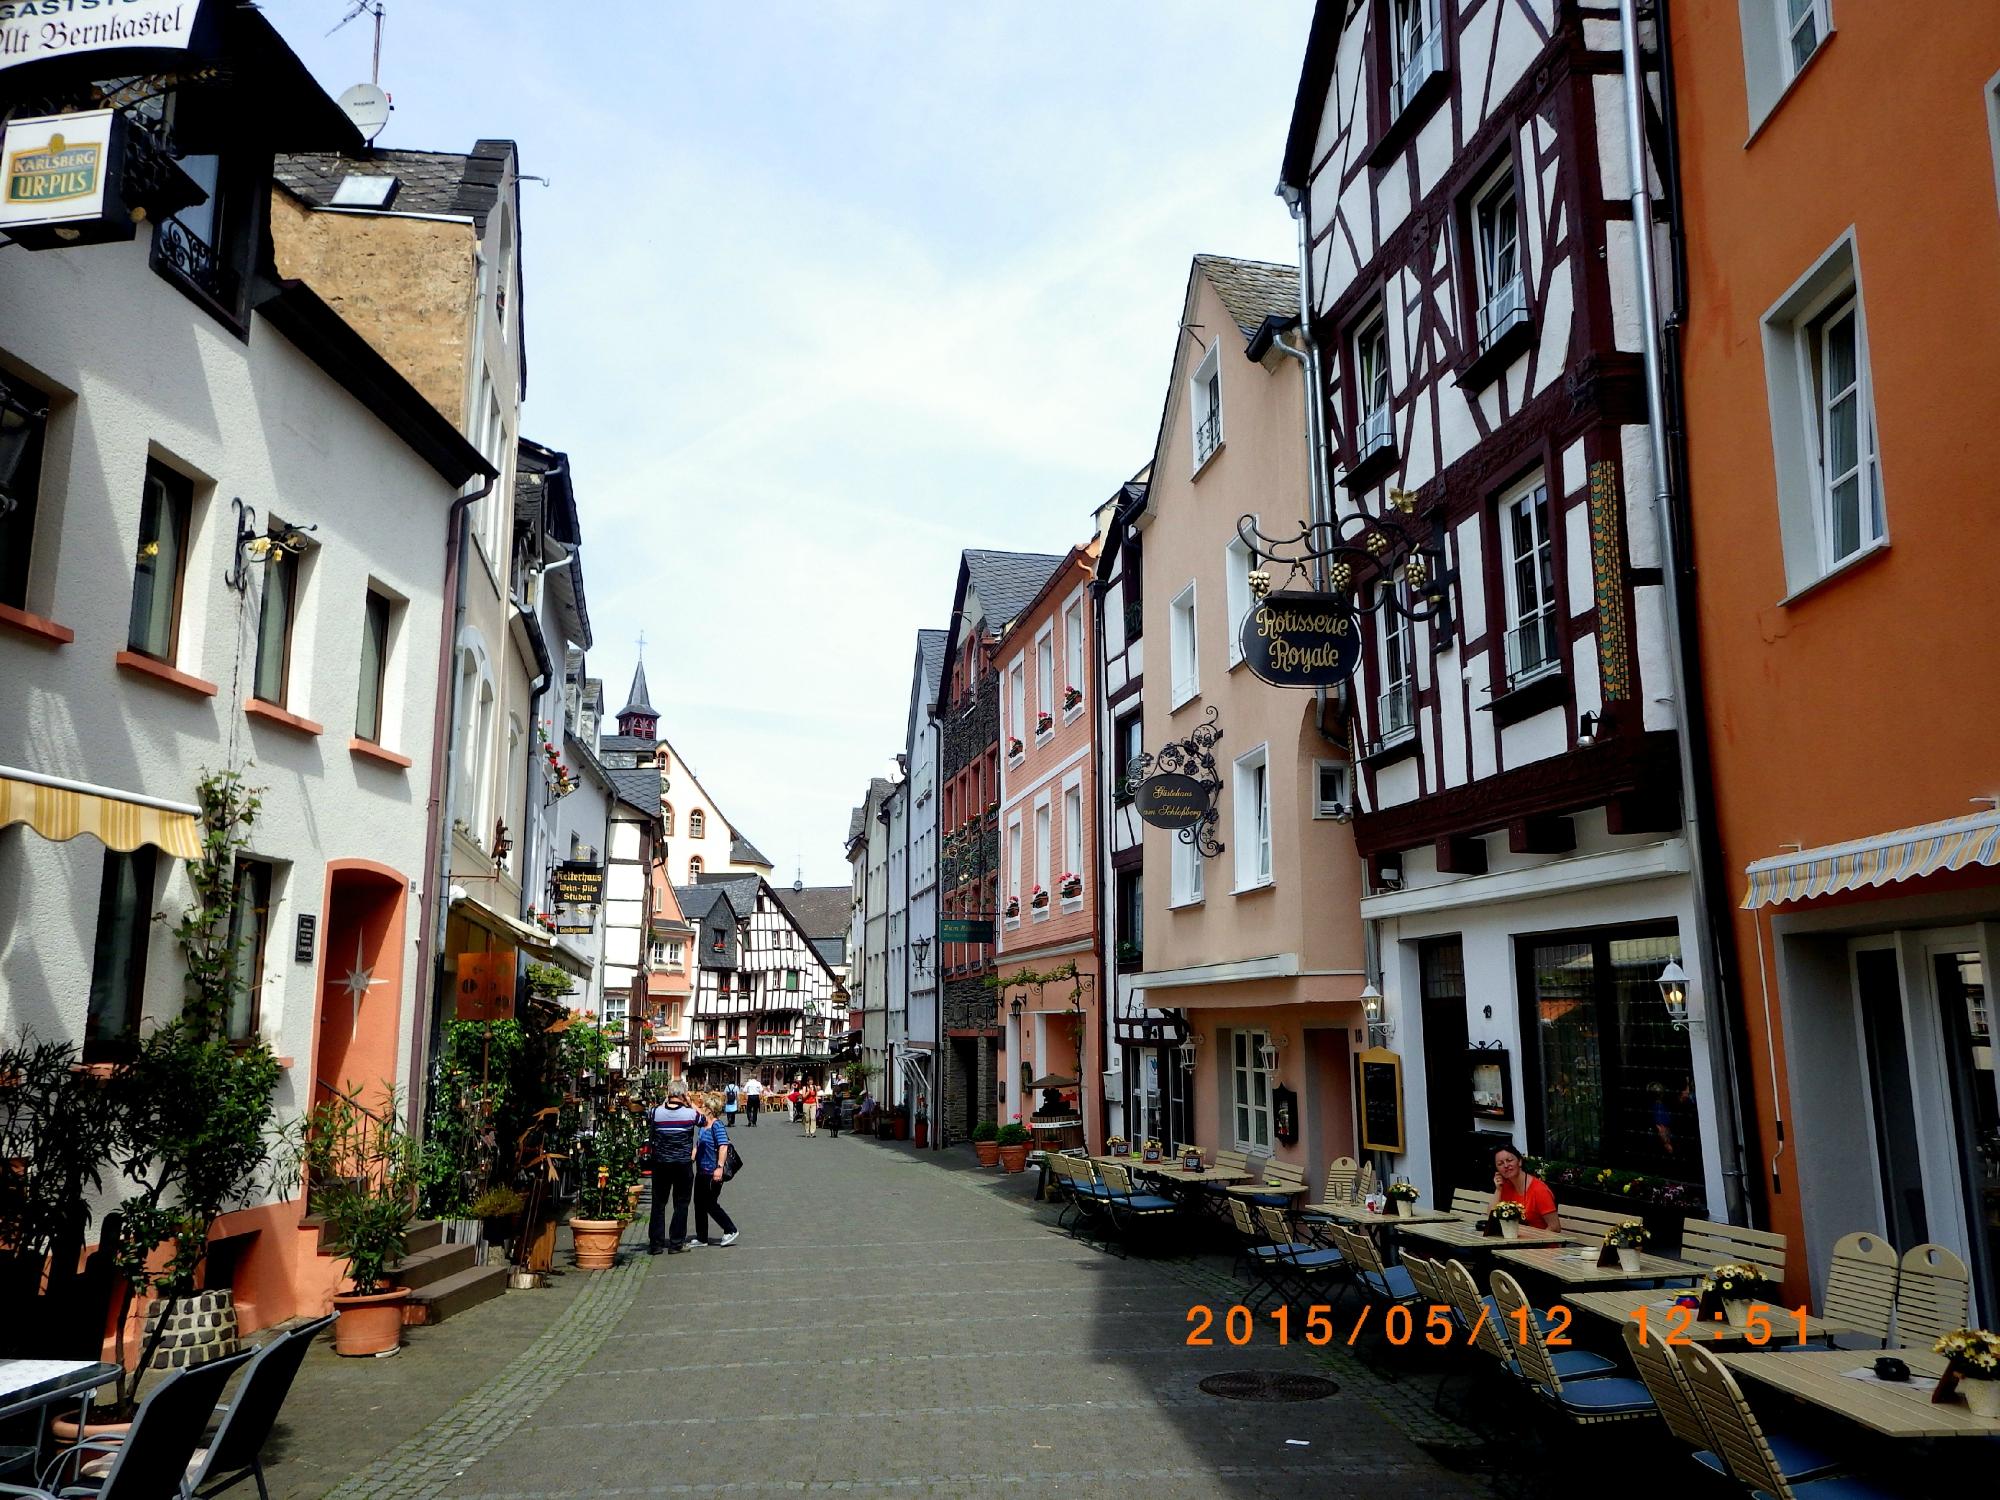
point(1256, 1385)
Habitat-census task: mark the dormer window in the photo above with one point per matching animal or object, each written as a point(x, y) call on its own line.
point(1207, 404)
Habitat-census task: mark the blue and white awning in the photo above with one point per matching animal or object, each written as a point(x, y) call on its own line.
point(1882, 859)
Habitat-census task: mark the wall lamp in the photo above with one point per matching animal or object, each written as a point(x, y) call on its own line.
point(1673, 990)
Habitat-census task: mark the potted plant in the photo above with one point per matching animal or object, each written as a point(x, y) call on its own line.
point(1403, 1193)
point(1012, 1141)
point(1015, 749)
point(1114, 1145)
point(607, 1164)
point(1973, 1355)
point(1038, 899)
point(1071, 885)
point(364, 1168)
point(1071, 697)
point(920, 1124)
point(1509, 1216)
point(1629, 1240)
point(986, 1142)
point(1736, 1287)
point(498, 1210)
point(1013, 912)
point(1044, 722)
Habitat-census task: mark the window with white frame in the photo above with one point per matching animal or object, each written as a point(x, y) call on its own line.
point(1330, 796)
point(1396, 656)
point(1014, 858)
point(1017, 701)
point(1371, 387)
point(1182, 648)
point(1073, 657)
point(1252, 798)
point(1850, 486)
point(1184, 886)
point(1205, 403)
point(1042, 852)
point(1250, 1090)
point(1804, 25)
point(1496, 235)
point(1823, 431)
point(1416, 45)
point(1531, 582)
point(1072, 832)
point(1237, 562)
point(1045, 677)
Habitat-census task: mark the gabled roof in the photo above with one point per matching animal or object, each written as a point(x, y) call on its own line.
point(462, 184)
point(627, 742)
point(1315, 79)
point(930, 654)
point(636, 701)
point(741, 889)
point(1252, 290)
point(743, 852)
point(637, 786)
point(697, 902)
point(1129, 500)
point(1007, 581)
point(822, 911)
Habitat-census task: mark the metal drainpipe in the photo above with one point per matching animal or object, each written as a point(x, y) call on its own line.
point(1693, 806)
point(436, 903)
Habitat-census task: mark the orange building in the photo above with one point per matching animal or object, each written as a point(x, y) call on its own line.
point(1048, 943)
point(1839, 355)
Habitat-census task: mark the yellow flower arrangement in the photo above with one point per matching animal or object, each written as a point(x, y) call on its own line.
point(1974, 1353)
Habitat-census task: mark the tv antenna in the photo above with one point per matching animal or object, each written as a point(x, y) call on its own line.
point(367, 8)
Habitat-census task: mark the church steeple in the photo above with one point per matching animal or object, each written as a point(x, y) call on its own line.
point(638, 718)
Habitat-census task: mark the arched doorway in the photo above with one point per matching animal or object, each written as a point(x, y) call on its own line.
point(361, 981)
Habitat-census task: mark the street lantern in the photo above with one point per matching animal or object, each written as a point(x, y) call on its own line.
point(1189, 1046)
point(1673, 990)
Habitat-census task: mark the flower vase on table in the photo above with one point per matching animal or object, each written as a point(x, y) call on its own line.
point(1629, 1240)
point(1509, 1216)
point(1974, 1357)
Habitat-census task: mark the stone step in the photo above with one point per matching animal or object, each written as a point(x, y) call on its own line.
point(455, 1293)
point(424, 1233)
point(423, 1267)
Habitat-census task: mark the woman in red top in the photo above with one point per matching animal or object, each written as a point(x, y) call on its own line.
point(1513, 1183)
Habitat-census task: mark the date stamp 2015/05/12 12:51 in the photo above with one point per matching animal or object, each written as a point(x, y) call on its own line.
point(1403, 1323)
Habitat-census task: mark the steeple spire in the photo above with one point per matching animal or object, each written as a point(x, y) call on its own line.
point(638, 718)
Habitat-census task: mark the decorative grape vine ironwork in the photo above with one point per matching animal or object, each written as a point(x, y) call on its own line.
point(1357, 548)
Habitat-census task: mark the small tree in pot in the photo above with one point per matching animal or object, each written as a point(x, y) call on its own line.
point(365, 1171)
point(1013, 1141)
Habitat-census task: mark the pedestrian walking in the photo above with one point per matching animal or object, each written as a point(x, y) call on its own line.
point(712, 1150)
point(793, 1099)
point(730, 1096)
point(753, 1095)
point(833, 1112)
point(675, 1126)
point(810, 1101)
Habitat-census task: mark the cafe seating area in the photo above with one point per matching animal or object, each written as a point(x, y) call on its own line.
point(1562, 1346)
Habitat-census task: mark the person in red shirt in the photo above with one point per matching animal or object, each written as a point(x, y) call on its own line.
point(1514, 1183)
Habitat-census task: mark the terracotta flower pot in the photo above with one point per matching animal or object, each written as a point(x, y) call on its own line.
point(596, 1242)
point(989, 1152)
point(1013, 1158)
point(369, 1322)
point(923, 1133)
point(66, 1432)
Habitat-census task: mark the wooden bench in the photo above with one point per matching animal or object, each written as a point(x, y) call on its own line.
point(1708, 1242)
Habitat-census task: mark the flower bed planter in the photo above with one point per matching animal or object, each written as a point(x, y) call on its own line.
point(369, 1322)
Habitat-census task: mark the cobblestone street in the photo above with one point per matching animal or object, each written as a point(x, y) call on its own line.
point(958, 1345)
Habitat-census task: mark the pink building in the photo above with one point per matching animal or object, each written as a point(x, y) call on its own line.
point(1048, 942)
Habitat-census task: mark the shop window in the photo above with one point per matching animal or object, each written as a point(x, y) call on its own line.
point(1250, 1091)
point(24, 416)
point(118, 957)
point(1611, 1073)
point(160, 564)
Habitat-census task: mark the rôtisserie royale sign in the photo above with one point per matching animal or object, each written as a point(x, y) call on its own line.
point(36, 30)
point(1301, 639)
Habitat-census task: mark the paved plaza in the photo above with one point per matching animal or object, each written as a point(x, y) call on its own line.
point(888, 1322)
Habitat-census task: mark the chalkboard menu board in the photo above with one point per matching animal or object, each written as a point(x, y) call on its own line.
point(1381, 1077)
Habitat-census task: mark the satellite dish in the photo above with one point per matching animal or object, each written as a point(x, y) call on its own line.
point(368, 107)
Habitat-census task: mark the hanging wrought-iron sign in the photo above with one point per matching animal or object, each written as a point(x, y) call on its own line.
point(1176, 788)
point(1296, 638)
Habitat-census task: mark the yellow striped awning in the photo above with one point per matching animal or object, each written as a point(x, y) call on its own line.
point(59, 810)
point(1882, 859)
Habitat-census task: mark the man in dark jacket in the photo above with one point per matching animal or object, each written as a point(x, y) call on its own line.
point(675, 1126)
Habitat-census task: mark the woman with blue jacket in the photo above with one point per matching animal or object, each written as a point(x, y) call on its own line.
point(711, 1156)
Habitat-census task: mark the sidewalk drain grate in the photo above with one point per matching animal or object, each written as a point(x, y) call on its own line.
point(1257, 1385)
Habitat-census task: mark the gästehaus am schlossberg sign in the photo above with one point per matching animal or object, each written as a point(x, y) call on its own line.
point(1301, 639)
point(43, 30)
point(1167, 800)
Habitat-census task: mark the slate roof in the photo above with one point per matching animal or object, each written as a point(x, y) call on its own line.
point(428, 182)
point(637, 702)
point(822, 911)
point(743, 852)
point(638, 785)
point(698, 901)
point(930, 651)
point(1252, 290)
point(614, 742)
point(832, 951)
point(741, 889)
point(1007, 582)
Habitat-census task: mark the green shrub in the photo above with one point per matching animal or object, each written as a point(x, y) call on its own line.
point(1013, 1133)
point(497, 1203)
point(985, 1130)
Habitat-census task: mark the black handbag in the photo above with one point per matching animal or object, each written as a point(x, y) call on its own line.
point(735, 1163)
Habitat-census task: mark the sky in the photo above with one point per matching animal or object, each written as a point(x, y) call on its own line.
point(819, 295)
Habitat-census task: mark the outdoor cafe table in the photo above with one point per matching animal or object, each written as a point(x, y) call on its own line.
point(1899, 1410)
point(1175, 1173)
point(1622, 1307)
point(35, 1385)
point(1573, 1267)
point(1461, 1232)
point(1356, 1217)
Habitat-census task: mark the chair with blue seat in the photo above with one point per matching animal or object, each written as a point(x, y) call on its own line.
point(1079, 1194)
point(1256, 1255)
point(1298, 1265)
point(1390, 1285)
point(1586, 1398)
point(1748, 1452)
point(1133, 1214)
point(1287, 1179)
point(1860, 1296)
point(1933, 1295)
point(1664, 1372)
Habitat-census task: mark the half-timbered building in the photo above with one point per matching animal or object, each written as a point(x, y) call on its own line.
point(762, 996)
point(1462, 174)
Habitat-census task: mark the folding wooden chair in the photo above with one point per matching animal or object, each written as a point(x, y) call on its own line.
point(1131, 1213)
point(1592, 1398)
point(1296, 1265)
point(1392, 1286)
point(1470, 1201)
point(1341, 1174)
point(1665, 1374)
point(1933, 1295)
point(1744, 1448)
point(1278, 1174)
point(1717, 1243)
point(1860, 1288)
